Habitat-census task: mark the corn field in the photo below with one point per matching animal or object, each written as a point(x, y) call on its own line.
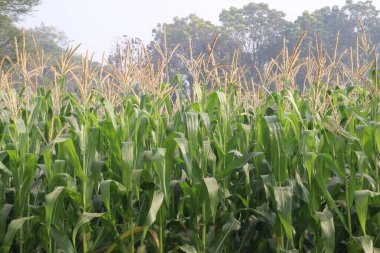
point(220, 167)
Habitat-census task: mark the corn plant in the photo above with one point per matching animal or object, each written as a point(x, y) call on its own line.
point(105, 168)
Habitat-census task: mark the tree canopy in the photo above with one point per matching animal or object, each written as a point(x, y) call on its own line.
point(15, 8)
point(48, 38)
point(258, 32)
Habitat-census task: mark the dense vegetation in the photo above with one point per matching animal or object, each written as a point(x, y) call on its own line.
point(128, 157)
point(258, 32)
point(124, 160)
point(255, 32)
point(48, 37)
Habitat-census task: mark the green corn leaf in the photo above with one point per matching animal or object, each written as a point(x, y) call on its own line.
point(157, 200)
point(2, 131)
point(361, 206)
point(74, 159)
point(231, 225)
point(187, 248)
point(29, 173)
point(309, 164)
point(330, 200)
point(13, 227)
point(283, 198)
point(127, 154)
point(245, 239)
point(377, 136)
point(212, 188)
point(93, 140)
point(374, 200)
point(62, 241)
point(328, 230)
point(50, 202)
point(236, 163)
point(83, 219)
point(100, 238)
point(4, 213)
point(193, 173)
point(4, 169)
point(276, 153)
point(361, 244)
point(295, 107)
point(162, 171)
point(20, 126)
point(35, 111)
point(110, 113)
point(333, 164)
point(248, 187)
point(128, 158)
point(105, 192)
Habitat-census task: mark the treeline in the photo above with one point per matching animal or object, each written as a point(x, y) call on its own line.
point(250, 36)
point(48, 38)
point(258, 34)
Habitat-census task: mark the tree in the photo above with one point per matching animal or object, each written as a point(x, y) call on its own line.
point(327, 22)
point(368, 13)
point(258, 32)
point(258, 29)
point(48, 38)
point(194, 37)
point(10, 12)
point(123, 48)
point(15, 8)
point(7, 33)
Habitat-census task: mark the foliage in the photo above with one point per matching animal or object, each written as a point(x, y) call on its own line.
point(257, 33)
point(48, 38)
point(98, 158)
point(8, 32)
point(327, 22)
point(15, 8)
point(90, 172)
point(259, 29)
point(10, 11)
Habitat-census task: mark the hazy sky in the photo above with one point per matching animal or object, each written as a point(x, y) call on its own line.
point(97, 23)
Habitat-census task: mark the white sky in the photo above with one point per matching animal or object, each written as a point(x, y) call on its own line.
point(97, 23)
